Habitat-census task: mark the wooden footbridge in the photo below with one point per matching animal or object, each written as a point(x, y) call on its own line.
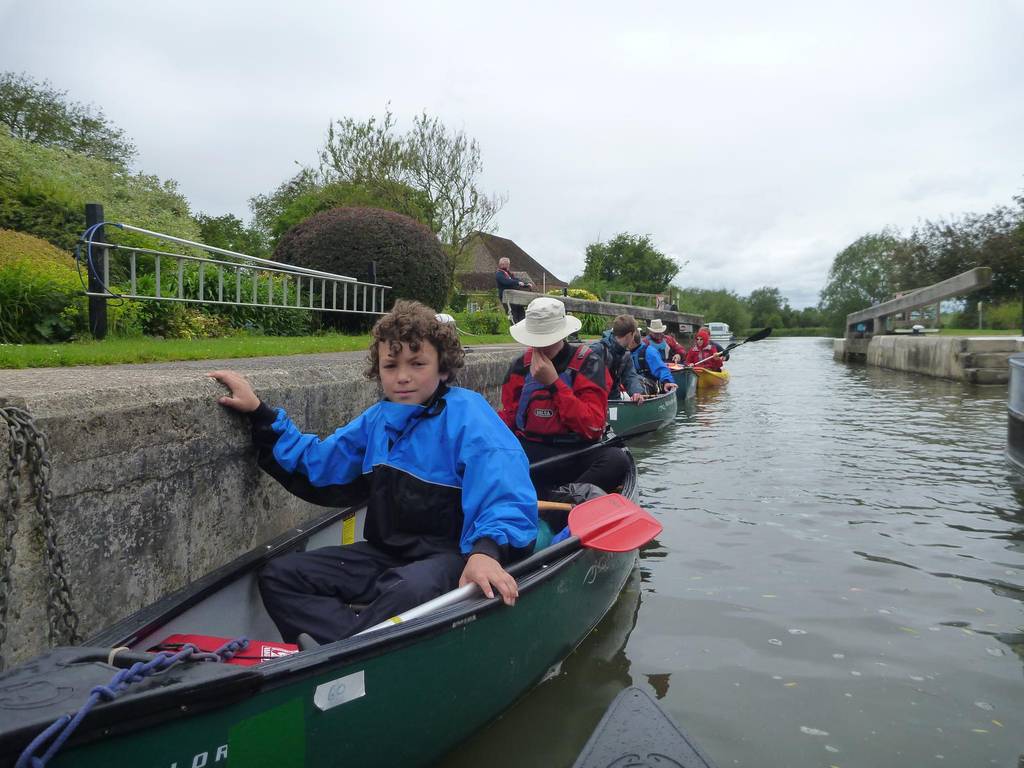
point(865, 324)
point(678, 322)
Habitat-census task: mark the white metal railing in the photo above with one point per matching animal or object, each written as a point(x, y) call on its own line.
point(235, 280)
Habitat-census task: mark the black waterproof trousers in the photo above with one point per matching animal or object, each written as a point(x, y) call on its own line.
point(313, 591)
point(606, 467)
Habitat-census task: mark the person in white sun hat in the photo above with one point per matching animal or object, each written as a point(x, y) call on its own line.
point(555, 399)
point(665, 343)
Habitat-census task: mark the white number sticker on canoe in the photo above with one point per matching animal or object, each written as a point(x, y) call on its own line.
point(613, 414)
point(339, 691)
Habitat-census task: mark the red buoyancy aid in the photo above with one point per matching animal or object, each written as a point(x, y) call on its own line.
point(256, 652)
point(537, 416)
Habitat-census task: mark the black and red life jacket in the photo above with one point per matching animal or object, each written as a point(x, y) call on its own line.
point(537, 416)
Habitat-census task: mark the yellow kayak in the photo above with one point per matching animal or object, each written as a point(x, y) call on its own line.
point(708, 378)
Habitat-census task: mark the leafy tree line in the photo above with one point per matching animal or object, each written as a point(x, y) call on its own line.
point(629, 262)
point(39, 113)
point(57, 154)
point(876, 266)
point(430, 173)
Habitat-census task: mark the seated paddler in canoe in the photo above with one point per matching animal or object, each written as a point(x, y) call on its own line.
point(658, 337)
point(704, 353)
point(450, 500)
point(620, 373)
point(655, 375)
point(555, 399)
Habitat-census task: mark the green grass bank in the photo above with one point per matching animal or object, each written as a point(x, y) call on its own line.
point(152, 350)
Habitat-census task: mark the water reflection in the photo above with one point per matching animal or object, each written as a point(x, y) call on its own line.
point(558, 716)
point(840, 580)
point(659, 682)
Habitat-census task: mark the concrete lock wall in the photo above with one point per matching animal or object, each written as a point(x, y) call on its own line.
point(155, 484)
point(978, 360)
point(934, 356)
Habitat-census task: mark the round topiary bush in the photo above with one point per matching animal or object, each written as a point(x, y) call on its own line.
point(345, 240)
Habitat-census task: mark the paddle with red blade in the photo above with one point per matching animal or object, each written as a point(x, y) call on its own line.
point(609, 523)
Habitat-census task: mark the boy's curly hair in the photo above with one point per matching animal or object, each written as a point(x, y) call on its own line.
point(412, 323)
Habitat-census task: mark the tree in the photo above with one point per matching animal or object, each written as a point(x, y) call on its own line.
point(229, 232)
point(39, 113)
point(945, 248)
point(441, 164)
point(718, 306)
point(306, 193)
point(629, 263)
point(809, 317)
point(767, 304)
point(862, 274)
point(43, 191)
point(268, 209)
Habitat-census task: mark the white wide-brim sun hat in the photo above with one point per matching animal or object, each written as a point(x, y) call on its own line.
point(657, 326)
point(545, 323)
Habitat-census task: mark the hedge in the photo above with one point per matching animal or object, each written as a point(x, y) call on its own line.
point(345, 240)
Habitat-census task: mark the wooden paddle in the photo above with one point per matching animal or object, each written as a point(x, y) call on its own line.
point(764, 333)
point(609, 523)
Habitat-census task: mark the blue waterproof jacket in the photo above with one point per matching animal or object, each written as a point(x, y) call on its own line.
point(618, 362)
point(648, 362)
point(448, 475)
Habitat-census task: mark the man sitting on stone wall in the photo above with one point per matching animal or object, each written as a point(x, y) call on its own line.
point(505, 279)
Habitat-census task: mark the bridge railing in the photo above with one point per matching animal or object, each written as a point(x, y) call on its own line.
point(217, 277)
point(877, 315)
point(678, 321)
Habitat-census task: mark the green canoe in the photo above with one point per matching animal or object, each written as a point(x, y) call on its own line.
point(686, 380)
point(403, 695)
point(627, 418)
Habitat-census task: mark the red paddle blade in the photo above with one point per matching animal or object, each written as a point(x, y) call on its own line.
point(612, 523)
point(675, 366)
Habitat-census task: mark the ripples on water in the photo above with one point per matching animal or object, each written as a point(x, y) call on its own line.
point(839, 581)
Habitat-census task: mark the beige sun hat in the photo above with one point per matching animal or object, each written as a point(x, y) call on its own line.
point(657, 326)
point(545, 323)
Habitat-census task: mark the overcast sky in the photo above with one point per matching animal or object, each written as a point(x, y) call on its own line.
point(753, 140)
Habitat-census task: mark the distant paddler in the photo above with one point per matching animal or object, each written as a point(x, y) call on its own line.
point(703, 353)
point(615, 346)
point(651, 366)
point(666, 344)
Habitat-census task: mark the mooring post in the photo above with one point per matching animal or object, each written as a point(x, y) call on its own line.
point(97, 304)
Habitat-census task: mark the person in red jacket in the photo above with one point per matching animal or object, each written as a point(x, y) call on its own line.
point(704, 352)
point(554, 399)
point(665, 343)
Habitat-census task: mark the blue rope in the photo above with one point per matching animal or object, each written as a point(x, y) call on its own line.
point(65, 725)
point(87, 238)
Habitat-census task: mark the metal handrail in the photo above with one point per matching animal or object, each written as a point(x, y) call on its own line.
point(357, 297)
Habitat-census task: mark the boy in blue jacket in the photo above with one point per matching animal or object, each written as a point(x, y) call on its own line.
point(651, 367)
point(450, 497)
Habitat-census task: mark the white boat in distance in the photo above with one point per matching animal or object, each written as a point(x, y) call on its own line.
point(720, 333)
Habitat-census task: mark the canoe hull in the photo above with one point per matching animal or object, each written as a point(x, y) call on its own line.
point(628, 418)
point(706, 378)
point(686, 382)
point(417, 701)
point(403, 695)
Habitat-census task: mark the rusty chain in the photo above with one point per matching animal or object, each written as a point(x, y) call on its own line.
point(30, 446)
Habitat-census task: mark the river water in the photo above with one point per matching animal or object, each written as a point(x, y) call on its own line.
point(839, 581)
